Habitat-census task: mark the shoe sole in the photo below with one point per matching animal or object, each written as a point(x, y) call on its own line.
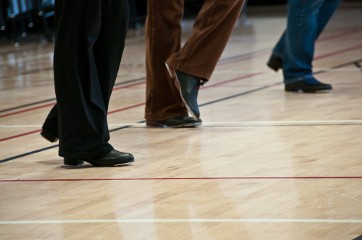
point(307, 91)
point(109, 165)
point(160, 125)
point(77, 163)
point(173, 74)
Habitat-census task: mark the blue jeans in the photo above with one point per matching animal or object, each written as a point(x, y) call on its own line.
point(306, 20)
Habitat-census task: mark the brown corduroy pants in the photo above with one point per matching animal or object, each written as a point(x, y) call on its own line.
point(198, 56)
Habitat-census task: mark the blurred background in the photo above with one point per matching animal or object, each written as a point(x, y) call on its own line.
point(21, 19)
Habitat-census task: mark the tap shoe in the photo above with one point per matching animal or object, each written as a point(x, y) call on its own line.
point(110, 159)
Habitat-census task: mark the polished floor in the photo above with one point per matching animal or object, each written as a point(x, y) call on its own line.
point(265, 164)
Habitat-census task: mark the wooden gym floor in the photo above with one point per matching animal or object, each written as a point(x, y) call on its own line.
point(265, 164)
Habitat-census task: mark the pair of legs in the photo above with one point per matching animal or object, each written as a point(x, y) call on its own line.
point(89, 43)
point(197, 57)
point(294, 51)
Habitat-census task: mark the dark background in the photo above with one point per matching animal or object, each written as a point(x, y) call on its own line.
point(194, 5)
point(139, 7)
point(37, 16)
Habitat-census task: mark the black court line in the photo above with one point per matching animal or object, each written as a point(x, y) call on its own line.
point(239, 94)
point(53, 99)
point(201, 105)
point(28, 153)
point(222, 61)
point(129, 126)
point(27, 105)
point(354, 62)
point(51, 147)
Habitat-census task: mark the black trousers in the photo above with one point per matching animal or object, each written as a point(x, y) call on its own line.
point(89, 43)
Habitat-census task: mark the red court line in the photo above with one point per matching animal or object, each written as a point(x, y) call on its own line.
point(137, 105)
point(37, 131)
point(27, 110)
point(242, 58)
point(267, 51)
point(128, 86)
point(226, 61)
point(126, 108)
point(339, 35)
point(213, 85)
point(185, 178)
point(233, 80)
point(20, 135)
point(51, 104)
point(338, 52)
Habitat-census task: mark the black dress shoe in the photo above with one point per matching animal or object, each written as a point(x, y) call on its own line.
point(51, 137)
point(189, 88)
point(111, 159)
point(307, 87)
point(175, 122)
point(274, 62)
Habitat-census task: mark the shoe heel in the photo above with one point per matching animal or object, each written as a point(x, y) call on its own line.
point(275, 63)
point(73, 161)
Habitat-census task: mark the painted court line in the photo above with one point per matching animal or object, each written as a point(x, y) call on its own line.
point(262, 123)
point(21, 126)
point(283, 123)
point(182, 178)
point(232, 124)
point(184, 220)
